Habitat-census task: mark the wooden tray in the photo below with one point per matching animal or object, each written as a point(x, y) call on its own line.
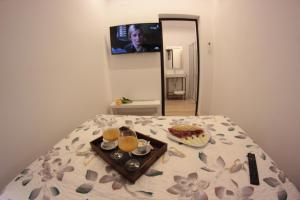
point(159, 148)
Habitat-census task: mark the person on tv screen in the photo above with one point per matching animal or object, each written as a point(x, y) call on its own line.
point(137, 39)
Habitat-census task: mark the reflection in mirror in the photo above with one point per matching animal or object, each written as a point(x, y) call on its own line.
point(174, 57)
point(180, 67)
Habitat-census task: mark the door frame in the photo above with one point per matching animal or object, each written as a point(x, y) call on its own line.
point(162, 62)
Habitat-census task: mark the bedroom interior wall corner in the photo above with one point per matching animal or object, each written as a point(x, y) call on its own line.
point(256, 74)
point(53, 72)
point(105, 53)
point(206, 63)
point(145, 69)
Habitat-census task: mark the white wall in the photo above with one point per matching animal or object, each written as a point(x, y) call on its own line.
point(54, 71)
point(179, 33)
point(140, 73)
point(256, 74)
point(53, 75)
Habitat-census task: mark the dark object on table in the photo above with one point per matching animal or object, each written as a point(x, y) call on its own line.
point(254, 180)
point(159, 148)
point(125, 100)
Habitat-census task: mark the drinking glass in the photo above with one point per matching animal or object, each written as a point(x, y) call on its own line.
point(128, 142)
point(110, 139)
point(111, 134)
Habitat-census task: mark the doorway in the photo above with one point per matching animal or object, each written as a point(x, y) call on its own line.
point(179, 66)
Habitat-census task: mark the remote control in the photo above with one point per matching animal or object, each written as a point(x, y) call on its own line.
point(254, 180)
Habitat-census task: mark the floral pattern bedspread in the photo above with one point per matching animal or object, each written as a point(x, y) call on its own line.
point(71, 170)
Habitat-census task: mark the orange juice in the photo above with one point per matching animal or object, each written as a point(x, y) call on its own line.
point(111, 134)
point(128, 143)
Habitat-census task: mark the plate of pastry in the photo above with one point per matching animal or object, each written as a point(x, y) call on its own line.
point(190, 135)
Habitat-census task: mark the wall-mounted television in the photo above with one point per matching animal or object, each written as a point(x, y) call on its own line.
point(135, 38)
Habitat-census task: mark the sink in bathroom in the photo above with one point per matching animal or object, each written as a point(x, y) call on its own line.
point(175, 73)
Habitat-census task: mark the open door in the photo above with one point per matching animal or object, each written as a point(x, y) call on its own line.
point(179, 66)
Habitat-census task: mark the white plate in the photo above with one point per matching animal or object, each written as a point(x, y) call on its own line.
point(137, 153)
point(200, 141)
point(110, 147)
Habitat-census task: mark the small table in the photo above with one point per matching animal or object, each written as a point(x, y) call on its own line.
point(183, 85)
point(148, 107)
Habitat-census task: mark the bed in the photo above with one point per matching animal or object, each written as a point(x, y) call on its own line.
point(219, 170)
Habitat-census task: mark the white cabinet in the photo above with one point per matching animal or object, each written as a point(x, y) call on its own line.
point(137, 108)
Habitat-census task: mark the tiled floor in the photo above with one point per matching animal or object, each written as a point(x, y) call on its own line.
point(180, 107)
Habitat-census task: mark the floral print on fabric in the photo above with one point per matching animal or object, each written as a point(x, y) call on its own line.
point(71, 170)
point(189, 188)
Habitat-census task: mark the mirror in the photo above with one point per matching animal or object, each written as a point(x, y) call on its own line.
point(180, 67)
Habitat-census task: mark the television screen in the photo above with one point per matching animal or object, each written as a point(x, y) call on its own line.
point(132, 38)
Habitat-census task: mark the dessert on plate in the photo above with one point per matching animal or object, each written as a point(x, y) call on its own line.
point(185, 130)
point(189, 134)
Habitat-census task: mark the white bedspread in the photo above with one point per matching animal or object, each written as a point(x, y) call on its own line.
point(71, 170)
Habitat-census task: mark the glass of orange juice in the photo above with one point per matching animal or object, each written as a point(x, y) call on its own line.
point(111, 134)
point(110, 137)
point(128, 142)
